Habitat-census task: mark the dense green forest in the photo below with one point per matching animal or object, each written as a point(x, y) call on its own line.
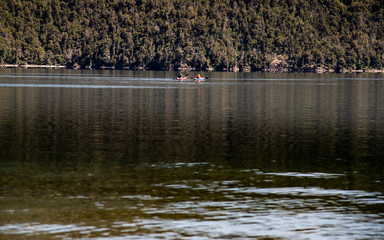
point(202, 34)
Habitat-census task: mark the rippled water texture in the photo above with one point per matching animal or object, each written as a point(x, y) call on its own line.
point(138, 155)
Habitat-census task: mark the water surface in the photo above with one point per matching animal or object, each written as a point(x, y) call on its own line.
point(138, 155)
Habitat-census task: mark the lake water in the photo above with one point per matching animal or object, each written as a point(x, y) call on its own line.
point(139, 155)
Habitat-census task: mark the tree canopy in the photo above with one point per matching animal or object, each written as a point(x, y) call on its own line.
point(201, 34)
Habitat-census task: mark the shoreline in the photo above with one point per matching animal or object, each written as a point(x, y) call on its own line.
point(26, 66)
point(30, 66)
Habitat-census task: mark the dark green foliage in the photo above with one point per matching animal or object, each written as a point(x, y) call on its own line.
point(218, 34)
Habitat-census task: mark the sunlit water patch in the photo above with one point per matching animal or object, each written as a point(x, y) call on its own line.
point(225, 220)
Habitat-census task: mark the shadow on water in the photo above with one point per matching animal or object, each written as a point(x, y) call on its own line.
point(95, 154)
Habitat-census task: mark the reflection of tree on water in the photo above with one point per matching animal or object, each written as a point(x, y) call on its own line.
point(302, 123)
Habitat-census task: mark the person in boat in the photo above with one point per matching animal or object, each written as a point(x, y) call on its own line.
point(180, 75)
point(198, 76)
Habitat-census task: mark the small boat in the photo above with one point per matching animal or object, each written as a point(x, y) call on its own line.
point(181, 78)
point(199, 79)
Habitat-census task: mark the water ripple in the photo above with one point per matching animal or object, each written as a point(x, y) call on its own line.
point(36, 228)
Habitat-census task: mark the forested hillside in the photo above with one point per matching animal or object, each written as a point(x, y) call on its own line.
point(202, 34)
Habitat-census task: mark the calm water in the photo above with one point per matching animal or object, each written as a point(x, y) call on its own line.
point(138, 155)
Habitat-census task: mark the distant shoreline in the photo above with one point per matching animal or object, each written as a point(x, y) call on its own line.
point(26, 66)
point(30, 66)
